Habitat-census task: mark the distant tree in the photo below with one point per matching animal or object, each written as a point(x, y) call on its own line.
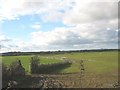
point(34, 64)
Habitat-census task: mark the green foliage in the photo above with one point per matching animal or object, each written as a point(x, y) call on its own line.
point(53, 68)
point(34, 64)
point(36, 67)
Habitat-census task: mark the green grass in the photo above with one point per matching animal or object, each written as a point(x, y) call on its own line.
point(95, 62)
point(25, 60)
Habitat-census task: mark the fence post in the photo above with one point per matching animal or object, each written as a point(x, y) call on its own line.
point(81, 73)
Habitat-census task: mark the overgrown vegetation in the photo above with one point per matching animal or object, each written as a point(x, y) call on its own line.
point(53, 68)
point(12, 73)
point(37, 68)
point(34, 64)
point(5, 75)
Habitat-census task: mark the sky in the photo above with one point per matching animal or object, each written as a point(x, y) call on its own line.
point(48, 25)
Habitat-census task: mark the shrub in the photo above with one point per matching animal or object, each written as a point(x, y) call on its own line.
point(16, 69)
point(52, 68)
point(5, 71)
point(5, 75)
point(34, 63)
point(14, 73)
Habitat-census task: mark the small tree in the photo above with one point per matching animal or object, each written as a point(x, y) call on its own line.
point(34, 64)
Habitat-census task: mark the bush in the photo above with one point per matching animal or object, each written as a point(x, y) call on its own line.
point(5, 71)
point(14, 73)
point(37, 68)
point(16, 69)
point(52, 68)
point(5, 75)
point(34, 63)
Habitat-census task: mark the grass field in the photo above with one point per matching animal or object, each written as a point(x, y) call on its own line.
point(26, 60)
point(94, 62)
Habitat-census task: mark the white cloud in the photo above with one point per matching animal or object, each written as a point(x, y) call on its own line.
point(70, 11)
point(14, 45)
point(36, 26)
point(82, 35)
point(94, 24)
point(12, 9)
point(88, 12)
point(87, 36)
point(3, 38)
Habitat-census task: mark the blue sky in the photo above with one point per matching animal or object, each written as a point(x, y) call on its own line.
point(35, 25)
point(22, 28)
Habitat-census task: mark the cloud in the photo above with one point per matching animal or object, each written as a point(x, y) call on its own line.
point(3, 38)
point(70, 12)
point(82, 35)
point(87, 36)
point(88, 12)
point(8, 44)
point(15, 45)
point(36, 26)
point(12, 9)
point(93, 24)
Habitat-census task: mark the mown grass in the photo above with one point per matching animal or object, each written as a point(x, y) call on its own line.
point(95, 62)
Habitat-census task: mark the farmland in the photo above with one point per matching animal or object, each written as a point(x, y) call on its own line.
point(101, 70)
point(26, 60)
point(95, 62)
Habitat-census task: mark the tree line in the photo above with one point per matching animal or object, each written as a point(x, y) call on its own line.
point(54, 52)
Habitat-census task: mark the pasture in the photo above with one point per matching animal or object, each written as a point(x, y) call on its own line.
point(94, 62)
point(25, 60)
